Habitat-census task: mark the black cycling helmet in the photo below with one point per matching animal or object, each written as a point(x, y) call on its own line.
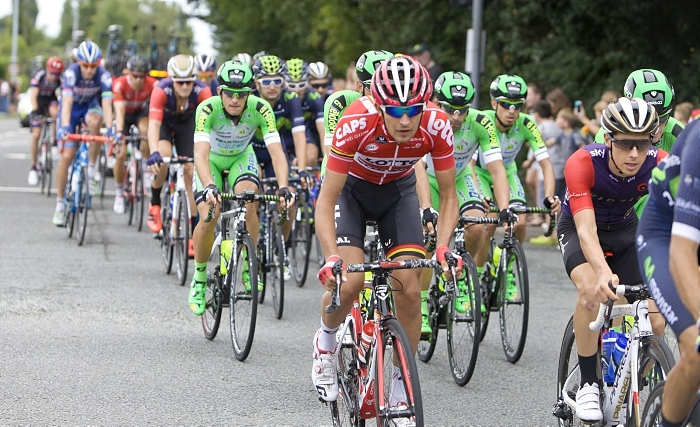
point(137, 64)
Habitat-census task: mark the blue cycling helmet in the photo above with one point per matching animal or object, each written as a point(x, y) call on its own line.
point(204, 62)
point(88, 52)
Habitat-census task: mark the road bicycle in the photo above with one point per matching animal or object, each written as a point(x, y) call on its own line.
point(272, 248)
point(45, 159)
point(364, 383)
point(302, 229)
point(134, 188)
point(463, 329)
point(175, 217)
point(651, 416)
point(76, 194)
point(505, 286)
point(232, 274)
point(646, 360)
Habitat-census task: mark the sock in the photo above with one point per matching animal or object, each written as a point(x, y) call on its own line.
point(665, 423)
point(119, 189)
point(194, 220)
point(327, 339)
point(200, 271)
point(588, 366)
point(60, 205)
point(479, 270)
point(398, 392)
point(155, 196)
point(424, 302)
point(91, 170)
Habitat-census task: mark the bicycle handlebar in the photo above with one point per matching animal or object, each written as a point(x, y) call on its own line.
point(603, 319)
point(176, 160)
point(530, 210)
point(87, 138)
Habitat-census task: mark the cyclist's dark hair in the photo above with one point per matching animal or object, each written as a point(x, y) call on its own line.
point(542, 108)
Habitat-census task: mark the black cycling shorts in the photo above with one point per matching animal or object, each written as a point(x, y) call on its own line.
point(183, 134)
point(616, 238)
point(43, 104)
point(393, 206)
point(134, 119)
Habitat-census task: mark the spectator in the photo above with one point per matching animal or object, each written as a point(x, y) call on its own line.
point(557, 100)
point(610, 96)
point(422, 53)
point(5, 95)
point(351, 77)
point(591, 126)
point(535, 92)
point(682, 112)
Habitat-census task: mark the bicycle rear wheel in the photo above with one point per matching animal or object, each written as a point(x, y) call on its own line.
point(568, 366)
point(655, 362)
point(277, 265)
point(301, 241)
point(83, 205)
point(214, 295)
point(393, 344)
point(166, 245)
point(45, 162)
point(426, 345)
point(69, 197)
point(243, 302)
point(486, 282)
point(103, 170)
point(514, 303)
point(182, 237)
point(463, 329)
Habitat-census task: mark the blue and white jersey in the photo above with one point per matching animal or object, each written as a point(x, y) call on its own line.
point(86, 91)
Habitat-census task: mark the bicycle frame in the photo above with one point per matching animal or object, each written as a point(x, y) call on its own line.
point(624, 393)
point(177, 170)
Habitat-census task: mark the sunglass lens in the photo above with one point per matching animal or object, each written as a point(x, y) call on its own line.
point(398, 112)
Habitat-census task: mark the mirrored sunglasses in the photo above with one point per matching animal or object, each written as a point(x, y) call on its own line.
point(517, 105)
point(278, 81)
point(629, 144)
point(398, 112)
point(451, 109)
point(235, 93)
point(297, 85)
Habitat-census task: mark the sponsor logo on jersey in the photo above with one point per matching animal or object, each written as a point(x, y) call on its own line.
point(372, 147)
point(381, 139)
point(350, 127)
point(439, 126)
point(597, 152)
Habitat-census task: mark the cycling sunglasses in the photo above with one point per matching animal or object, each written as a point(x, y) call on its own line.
point(278, 81)
point(629, 144)
point(451, 109)
point(183, 82)
point(235, 93)
point(398, 112)
point(88, 65)
point(297, 85)
point(517, 105)
point(138, 76)
point(319, 85)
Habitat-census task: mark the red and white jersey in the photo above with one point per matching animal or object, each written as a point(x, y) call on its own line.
point(363, 148)
point(133, 100)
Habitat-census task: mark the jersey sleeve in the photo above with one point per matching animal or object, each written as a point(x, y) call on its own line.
point(532, 134)
point(332, 110)
point(69, 78)
point(157, 104)
point(316, 107)
point(686, 211)
point(489, 145)
point(296, 114)
point(118, 90)
point(266, 122)
point(106, 84)
point(36, 80)
point(580, 177)
point(204, 94)
point(203, 121)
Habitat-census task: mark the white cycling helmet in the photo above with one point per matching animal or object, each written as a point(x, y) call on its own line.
point(181, 68)
point(205, 63)
point(88, 52)
point(318, 71)
point(243, 58)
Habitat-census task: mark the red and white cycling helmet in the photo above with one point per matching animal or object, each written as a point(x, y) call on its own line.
point(401, 81)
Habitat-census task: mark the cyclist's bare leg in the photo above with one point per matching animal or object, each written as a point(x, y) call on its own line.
point(586, 310)
point(252, 222)
point(62, 172)
point(94, 122)
point(407, 301)
point(143, 130)
point(120, 153)
point(165, 148)
point(658, 323)
point(348, 291)
point(483, 252)
point(684, 379)
point(34, 147)
point(521, 228)
point(475, 235)
point(311, 155)
point(53, 112)
point(203, 234)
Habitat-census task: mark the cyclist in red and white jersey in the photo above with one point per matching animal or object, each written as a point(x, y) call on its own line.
point(370, 176)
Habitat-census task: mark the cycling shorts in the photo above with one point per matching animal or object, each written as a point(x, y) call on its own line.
point(78, 114)
point(616, 238)
point(134, 119)
point(467, 192)
point(653, 240)
point(183, 132)
point(517, 193)
point(242, 167)
point(394, 207)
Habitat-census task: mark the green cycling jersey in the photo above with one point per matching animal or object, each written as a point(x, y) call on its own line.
point(214, 126)
point(523, 130)
point(333, 109)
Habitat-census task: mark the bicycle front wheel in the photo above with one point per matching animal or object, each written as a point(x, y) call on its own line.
point(166, 245)
point(277, 265)
point(651, 416)
point(139, 196)
point(243, 302)
point(81, 210)
point(426, 345)
point(301, 241)
point(103, 171)
point(514, 303)
point(129, 190)
point(214, 295)
point(182, 237)
point(486, 282)
point(568, 367)
point(403, 401)
point(345, 410)
point(463, 329)
point(655, 362)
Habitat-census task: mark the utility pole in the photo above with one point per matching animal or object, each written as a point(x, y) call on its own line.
point(13, 68)
point(475, 49)
point(75, 4)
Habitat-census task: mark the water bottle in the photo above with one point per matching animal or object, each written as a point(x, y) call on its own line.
point(620, 347)
point(608, 347)
point(172, 199)
point(74, 181)
point(365, 340)
point(226, 249)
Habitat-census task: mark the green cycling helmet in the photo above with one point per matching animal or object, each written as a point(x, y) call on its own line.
point(235, 75)
point(508, 86)
point(297, 70)
point(269, 65)
point(368, 62)
point(653, 87)
point(455, 88)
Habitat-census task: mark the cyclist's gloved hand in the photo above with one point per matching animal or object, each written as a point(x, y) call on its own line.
point(209, 195)
point(430, 216)
point(119, 137)
point(63, 132)
point(507, 217)
point(325, 274)
point(440, 255)
point(110, 132)
point(288, 196)
point(154, 159)
point(552, 203)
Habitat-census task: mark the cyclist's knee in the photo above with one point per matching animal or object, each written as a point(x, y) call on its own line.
point(587, 297)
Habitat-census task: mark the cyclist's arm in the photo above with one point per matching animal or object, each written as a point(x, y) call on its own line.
point(321, 129)
point(490, 149)
point(333, 183)
point(34, 97)
point(683, 256)
point(201, 162)
point(118, 103)
point(423, 186)
point(449, 206)
point(298, 131)
point(279, 163)
point(501, 188)
point(155, 117)
point(539, 148)
point(66, 107)
point(106, 84)
point(202, 145)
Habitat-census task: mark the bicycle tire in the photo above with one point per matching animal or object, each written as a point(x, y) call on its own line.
point(652, 410)
point(470, 336)
point(83, 206)
point(263, 267)
point(47, 168)
point(69, 215)
point(486, 283)
point(129, 190)
point(140, 195)
point(182, 237)
point(211, 318)
point(103, 170)
point(243, 303)
point(301, 241)
point(394, 344)
point(426, 346)
point(344, 411)
point(277, 265)
point(514, 334)
point(568, 365)
point(165, 217)
point(653, 349)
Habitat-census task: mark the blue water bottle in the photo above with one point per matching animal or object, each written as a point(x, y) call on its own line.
point(620, 347)
point(608, 347)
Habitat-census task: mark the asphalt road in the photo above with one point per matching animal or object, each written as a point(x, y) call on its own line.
point(99, 335)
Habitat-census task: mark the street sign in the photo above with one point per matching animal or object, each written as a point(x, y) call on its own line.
point(13, 69)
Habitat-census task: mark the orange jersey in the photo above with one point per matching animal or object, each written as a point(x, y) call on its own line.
point(363, 148)
point(133, 100)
